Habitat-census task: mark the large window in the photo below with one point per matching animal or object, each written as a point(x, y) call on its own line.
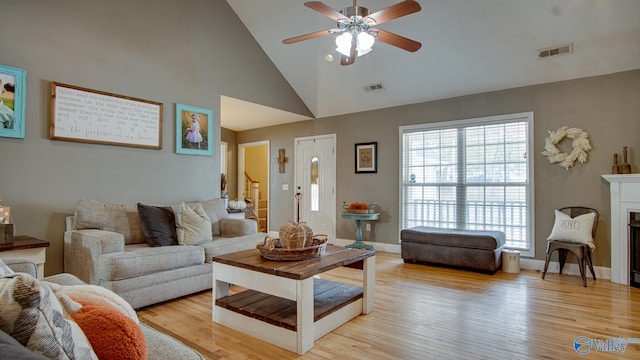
point(470, 174)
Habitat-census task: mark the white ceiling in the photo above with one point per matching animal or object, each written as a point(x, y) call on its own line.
point(239, 115)
point(468, 46)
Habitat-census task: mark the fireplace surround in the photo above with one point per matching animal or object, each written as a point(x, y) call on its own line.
point(625, 200)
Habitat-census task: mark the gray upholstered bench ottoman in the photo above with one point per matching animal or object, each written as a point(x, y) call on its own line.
point(471, 249)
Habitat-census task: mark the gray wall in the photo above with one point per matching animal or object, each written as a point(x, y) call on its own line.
point(608, 107)
point(189, 52)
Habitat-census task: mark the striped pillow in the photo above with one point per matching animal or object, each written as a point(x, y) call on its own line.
point(33, 316)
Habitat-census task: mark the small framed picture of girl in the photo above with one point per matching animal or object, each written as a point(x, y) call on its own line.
point(12, 101)
point(194, 130)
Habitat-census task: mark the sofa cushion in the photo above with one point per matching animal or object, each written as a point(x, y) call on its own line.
point(140, 259)
point(472, 239)
point(220, 246)
point(112, 334)
point(158, 225)
point(230, 227)
point(193, 225)
point(33, 316)
point(123, 219)
point(164, 346)
point(216, 210)
point(153, 288)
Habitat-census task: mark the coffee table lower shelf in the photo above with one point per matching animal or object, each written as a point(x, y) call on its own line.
point(328, 297)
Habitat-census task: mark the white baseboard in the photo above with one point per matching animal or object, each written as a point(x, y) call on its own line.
point(569, 268)
point(525, 263)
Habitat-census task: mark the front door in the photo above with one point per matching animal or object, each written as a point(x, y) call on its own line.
point(315, 177)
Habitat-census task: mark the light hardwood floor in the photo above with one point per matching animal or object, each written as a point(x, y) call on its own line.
point(426, 312)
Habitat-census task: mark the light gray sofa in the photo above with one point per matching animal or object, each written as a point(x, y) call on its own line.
point(159, 345)
point(104, 245)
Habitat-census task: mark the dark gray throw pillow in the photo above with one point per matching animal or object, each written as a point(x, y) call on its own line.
point(158, 225)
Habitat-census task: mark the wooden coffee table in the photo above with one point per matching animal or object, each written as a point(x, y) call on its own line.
point(284, 304)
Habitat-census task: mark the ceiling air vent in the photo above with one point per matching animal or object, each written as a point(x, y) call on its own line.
point(373, 87)
point(565, 49)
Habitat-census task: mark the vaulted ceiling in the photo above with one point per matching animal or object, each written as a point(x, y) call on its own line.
point(468, 46)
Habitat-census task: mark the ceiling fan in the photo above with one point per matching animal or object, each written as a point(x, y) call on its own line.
point(356, 25)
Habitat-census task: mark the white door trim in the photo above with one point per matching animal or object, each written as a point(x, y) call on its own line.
point(241, 152)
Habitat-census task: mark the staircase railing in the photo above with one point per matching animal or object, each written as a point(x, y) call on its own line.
point(252, 190)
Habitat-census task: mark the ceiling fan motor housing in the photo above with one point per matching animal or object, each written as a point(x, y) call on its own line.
point(355, 11)
point(358, 19)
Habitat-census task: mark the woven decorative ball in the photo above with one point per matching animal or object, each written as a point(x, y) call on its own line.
point(295, 235)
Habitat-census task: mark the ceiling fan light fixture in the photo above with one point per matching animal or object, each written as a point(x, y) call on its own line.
point(358, 28)
point(364, 52)
point(343, 43)
point(365, 41)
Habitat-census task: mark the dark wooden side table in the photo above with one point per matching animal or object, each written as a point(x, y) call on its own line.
point(28, 248)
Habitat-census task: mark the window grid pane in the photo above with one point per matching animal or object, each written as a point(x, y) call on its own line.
point(492, 193)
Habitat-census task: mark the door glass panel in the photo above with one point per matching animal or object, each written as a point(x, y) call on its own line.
point(315, 185)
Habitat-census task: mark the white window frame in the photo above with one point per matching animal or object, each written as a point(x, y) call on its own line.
point(526, 116)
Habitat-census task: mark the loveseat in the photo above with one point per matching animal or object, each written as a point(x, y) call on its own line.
point(32, 334)
point(148, 253)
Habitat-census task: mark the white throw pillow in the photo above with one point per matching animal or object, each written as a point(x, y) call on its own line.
point(577, 229)
point(193, 225)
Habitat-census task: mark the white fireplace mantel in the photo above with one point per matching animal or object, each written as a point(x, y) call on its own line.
point(625, 198)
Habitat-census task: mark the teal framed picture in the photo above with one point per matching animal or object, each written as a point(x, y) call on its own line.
point(194, 130)
point(13, 83)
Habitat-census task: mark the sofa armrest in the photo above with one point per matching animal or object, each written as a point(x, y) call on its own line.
point(22, 266)
point(230, 227)
point(83, 249)
point(69, 223)
point(64, 279)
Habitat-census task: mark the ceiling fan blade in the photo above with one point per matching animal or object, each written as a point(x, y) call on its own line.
point(348, 60)
point(395, 11)
point(312, 35)
point(325, 10)
point(397, 40)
